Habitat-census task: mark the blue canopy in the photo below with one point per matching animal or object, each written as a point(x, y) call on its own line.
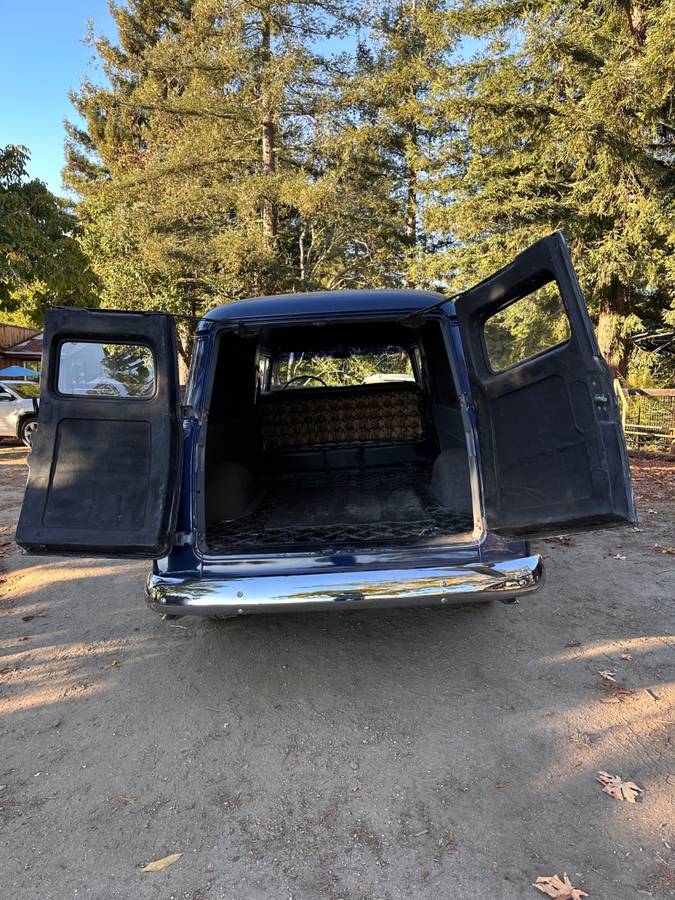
point(19, 372)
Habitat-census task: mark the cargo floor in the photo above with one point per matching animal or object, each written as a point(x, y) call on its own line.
point(343, 507)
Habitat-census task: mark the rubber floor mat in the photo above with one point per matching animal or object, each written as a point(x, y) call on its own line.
point(340, 508)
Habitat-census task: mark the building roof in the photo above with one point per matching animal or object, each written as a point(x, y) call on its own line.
point(31, 348)
point(316, 304)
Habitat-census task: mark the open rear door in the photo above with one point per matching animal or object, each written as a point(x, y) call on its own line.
point(104, 469)
point(552, 451)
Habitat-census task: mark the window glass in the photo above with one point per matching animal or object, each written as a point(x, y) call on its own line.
point(526, 327)
point(341, 367)
point(87, 368)
point(27, 389)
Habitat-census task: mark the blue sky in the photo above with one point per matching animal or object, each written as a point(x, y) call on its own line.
point(42, 56)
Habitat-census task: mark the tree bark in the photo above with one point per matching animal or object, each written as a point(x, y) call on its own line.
point(613, 344)
point(635, 14)
point(411, 191)
point(269, 206)
point(412, 149)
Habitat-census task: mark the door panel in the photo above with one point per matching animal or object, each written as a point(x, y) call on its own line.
point(552, 450)
point(104, 469)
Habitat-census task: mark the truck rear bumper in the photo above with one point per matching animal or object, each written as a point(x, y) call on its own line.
point(215, 596)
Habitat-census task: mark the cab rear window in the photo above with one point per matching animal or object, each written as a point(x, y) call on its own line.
point(341, 367)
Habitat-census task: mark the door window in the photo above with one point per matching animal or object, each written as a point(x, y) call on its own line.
point(89, 368)
point(526, 327)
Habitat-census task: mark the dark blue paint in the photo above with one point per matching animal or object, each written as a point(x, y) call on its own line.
point(289, 309)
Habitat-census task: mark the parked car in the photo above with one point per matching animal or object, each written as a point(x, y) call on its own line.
point(19, 410)
point(333, 494)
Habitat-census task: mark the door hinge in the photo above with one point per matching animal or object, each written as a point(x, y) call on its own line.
point(184, 539)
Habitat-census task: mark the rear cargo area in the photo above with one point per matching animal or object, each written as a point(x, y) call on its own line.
point(379, 506)
point(323, 465)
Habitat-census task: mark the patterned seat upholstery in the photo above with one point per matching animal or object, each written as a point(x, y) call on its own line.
point(336, 417)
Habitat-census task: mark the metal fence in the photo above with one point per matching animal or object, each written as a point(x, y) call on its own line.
point(648, 416)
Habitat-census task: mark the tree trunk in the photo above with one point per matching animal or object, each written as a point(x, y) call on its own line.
point(412, 150)
point(183, 342)
point(613, 344)
point(301, 248)
point(635, 14)
point(269, 206)
point(411, 192)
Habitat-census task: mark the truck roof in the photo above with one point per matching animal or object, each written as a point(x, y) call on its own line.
point(325, 303)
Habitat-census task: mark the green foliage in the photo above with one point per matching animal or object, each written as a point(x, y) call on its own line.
point(41, 261)
point(215, 166)
point(230, 154)
point(565, 121)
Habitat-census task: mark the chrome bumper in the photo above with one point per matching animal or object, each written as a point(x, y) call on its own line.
point(503, 580)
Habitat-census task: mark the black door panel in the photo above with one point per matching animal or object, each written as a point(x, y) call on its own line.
point(104, 470)
point(552, 451)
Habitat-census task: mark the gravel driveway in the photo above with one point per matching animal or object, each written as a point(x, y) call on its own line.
point(414, 754)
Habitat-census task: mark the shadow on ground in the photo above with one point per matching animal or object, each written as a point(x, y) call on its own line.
point(417, 753)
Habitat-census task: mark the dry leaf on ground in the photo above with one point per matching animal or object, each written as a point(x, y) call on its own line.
point(573, 644)
point(561, 889)
point(158, 864)
point(608, 676)
point(616, 691)
point(563, 539)
point(618, 789)
point(661, 549)
point(627, 657)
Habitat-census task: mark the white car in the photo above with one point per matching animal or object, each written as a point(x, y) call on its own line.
point(19, 410)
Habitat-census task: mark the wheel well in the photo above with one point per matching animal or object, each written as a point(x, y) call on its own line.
point(22, 418)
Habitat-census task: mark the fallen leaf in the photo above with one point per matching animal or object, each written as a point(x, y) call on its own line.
point(661, 549)
point(618, 789)
point(158, 864)
point(563, 539)
point(27, 618)
point(355, 788)
point(573, 644)
point(627, 657)
point(553, 886)
point(114, 663)
point(608, 676)
point(616, 691)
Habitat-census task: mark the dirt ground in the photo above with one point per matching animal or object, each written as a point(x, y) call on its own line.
point(413, 754)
